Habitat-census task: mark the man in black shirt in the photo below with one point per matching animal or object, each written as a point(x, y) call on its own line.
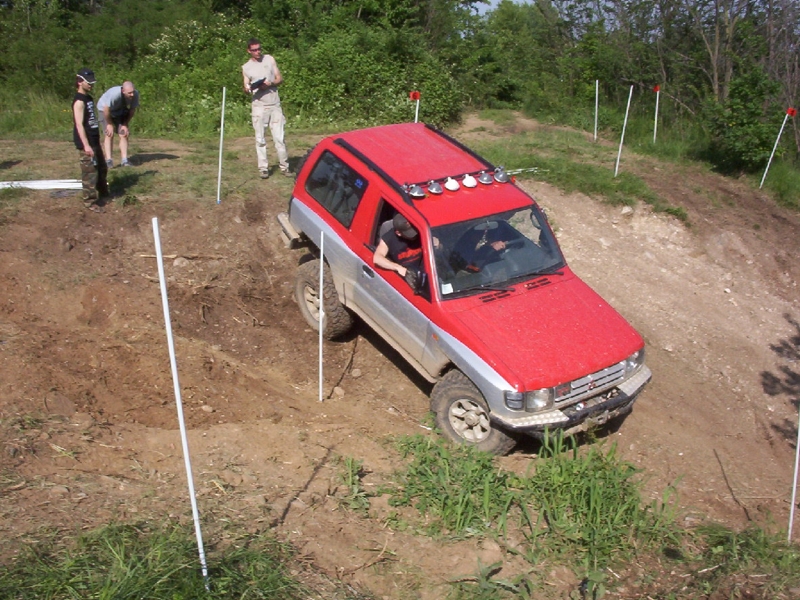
point(400, 250)
point(86, 135)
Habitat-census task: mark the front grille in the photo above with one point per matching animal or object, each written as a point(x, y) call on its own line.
point(593, 384)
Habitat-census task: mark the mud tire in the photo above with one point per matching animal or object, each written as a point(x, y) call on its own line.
point(338, 320)
point(463, 415)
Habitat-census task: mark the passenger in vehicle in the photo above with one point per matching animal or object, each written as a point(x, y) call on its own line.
point(399, 250)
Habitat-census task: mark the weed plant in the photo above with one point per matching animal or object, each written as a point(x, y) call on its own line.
point(752, 551)
point(591, 505)
point(355, 498)
point(457, 488)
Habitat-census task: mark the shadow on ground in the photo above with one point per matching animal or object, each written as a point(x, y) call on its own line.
point(141, 159)
point(787, 381)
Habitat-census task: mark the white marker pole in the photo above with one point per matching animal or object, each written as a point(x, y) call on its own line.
point(416, 113)
point(596, 105)
point(775, 147)
point(622, 137)
point(794, 480)
point(221, 136)
point(177, 387)
point(321, 303)
point(655, 121)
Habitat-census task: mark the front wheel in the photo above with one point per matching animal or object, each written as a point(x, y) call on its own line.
point(463, 415)
point(337, 319)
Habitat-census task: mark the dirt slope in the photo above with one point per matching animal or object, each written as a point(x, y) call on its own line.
point(87, 414)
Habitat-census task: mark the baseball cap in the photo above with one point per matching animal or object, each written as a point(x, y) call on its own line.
point(403, 227)
point(87, 75)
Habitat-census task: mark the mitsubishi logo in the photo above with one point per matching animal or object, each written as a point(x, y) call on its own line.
point(592, 383)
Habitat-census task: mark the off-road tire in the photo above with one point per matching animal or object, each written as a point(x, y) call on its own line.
point(463, 415)
point(337, 320)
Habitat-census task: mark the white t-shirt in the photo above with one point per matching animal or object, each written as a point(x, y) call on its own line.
point(254, 70)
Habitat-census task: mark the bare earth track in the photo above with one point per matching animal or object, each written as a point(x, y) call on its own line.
point(87, 417)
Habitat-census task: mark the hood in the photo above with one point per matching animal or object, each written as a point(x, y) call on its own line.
point(547, 334)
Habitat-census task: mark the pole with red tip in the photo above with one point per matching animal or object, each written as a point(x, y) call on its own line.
point(657, 90)
point(414, 96)
point(790, 112)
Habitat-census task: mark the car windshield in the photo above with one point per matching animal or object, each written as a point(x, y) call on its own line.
point(494, 252)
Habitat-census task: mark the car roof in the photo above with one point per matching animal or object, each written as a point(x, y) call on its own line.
point(415, 153)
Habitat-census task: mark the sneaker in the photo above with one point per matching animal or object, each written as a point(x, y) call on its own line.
point(125, 163)
point(109, 163)
point(287, 173)
point(264, 174)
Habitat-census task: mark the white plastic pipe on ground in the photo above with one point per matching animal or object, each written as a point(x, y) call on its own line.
point(177, 387)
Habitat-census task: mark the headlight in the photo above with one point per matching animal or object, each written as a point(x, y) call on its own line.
point(530, 401)
point(634, 362)
point(539, 400)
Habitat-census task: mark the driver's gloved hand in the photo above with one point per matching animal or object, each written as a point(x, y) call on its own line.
point(412, 278)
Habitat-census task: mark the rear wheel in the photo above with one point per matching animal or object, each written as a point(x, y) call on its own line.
point(337, 319)
point(463, 415)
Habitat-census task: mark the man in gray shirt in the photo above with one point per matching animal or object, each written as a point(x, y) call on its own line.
point(116, 109)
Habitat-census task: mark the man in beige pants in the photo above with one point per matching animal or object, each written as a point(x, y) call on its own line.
point(261, 78)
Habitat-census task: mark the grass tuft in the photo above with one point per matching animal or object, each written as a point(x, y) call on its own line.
point(135, 561)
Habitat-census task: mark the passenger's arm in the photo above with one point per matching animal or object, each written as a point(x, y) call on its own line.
point(381, 259)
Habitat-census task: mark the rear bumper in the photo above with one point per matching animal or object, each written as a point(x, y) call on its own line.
point(583, 415)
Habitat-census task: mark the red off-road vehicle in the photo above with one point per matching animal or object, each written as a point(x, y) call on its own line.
point(513, 340)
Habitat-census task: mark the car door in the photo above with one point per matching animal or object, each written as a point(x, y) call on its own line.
point(384, 298)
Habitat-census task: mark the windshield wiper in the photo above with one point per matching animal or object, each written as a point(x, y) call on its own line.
point(491, 287)
point(550, 271)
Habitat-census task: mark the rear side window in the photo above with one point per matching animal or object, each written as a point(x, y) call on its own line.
point(337, 187)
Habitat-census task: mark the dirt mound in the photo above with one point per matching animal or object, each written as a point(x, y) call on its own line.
point(87, 413)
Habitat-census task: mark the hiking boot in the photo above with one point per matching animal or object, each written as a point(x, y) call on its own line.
point(287, 173)
point(264, 174)
point(109, 163)
point(126, 163)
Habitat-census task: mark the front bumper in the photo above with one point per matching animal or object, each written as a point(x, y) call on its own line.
point(582, 415)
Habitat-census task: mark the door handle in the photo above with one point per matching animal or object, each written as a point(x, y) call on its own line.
point(368, 272)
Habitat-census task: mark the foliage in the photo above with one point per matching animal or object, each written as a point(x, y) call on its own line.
point(136, 561)
point(742, 137)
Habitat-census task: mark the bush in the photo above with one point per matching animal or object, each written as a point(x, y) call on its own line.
point(742, 136)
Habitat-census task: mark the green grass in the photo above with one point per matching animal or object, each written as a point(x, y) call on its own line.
point(570, 161)
point(783, 180)
point(581, 508)
point(129, 561)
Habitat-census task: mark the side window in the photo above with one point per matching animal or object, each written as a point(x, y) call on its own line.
point(337, 187)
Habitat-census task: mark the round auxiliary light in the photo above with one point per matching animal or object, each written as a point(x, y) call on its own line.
point(500, 175)
point(416, 192)
point(469, 181)
point(451, 184)
point(434, 187)
point(485, 178)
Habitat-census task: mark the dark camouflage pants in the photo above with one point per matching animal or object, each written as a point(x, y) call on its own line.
point(94, 175)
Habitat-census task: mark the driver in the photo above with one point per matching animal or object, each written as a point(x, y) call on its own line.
point(400, 250)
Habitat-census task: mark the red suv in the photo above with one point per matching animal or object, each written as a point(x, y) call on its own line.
point(487, 310)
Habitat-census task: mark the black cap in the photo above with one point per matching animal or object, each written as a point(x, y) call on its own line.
point(403, 227)
point(87, 75)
